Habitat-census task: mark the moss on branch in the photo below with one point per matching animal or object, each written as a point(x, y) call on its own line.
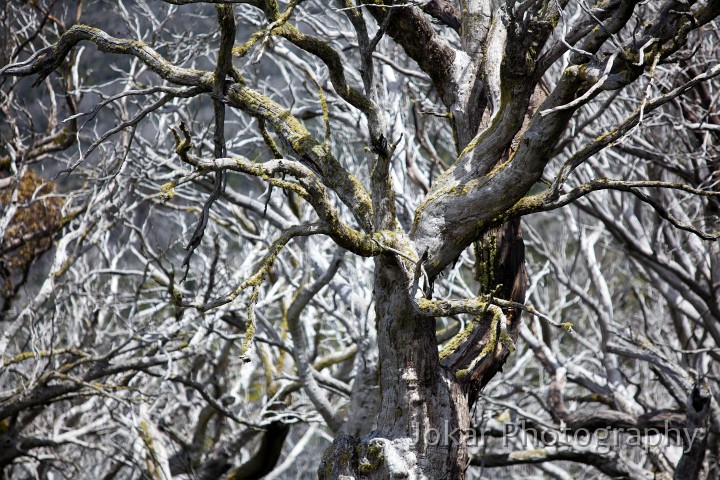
point(308, 150)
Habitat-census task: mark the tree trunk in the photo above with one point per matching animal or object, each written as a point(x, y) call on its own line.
point(424, 417)
point(424, 412)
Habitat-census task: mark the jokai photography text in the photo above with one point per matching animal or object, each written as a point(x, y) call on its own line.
point(524, 435)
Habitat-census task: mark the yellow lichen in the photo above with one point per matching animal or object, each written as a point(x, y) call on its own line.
point(452, 345)
point(167, 191)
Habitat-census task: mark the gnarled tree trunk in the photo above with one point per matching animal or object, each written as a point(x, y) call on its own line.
point(424, 418)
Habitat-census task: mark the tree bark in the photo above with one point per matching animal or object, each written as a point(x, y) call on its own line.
point(424, 414)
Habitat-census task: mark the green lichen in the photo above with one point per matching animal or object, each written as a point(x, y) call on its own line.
point(372, 459)
point(492, 338)
point(489, 347)
point(531, 203)
point(485, 254)
point(167, 191)
point(454, 343)
point(606, 137)
point(536, 453)
point(250, 332)
point(366, 467)
point(177, 298)
point(506, 340)
point(153, 468)
point(64, 267)
point(20, 357)
point(498, 168)
point(63, 137)
point(375, 450)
